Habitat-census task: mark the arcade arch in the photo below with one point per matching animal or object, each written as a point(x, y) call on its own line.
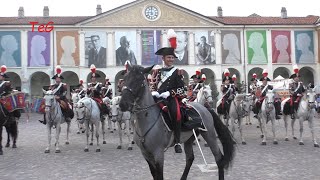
point(307, 75)
point(281, 71)
point(38, 81)
point(15, 80)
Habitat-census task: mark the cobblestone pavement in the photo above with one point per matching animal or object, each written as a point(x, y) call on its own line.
point(285, 161)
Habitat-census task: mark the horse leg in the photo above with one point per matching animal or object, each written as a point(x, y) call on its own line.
point(233, 129)
point(129, 134)
point(311, 126)
point(159, 160)
point(150, 160)
point(14, 134)
point(120, 135)
point(240, 131)
point(78, 132)
point(103, 123)
point(1, 152)
point(285, 119)
point(301, 130)
point(275, 141)
point(58, 131)
point(86, 149)
point(8, 136)
point(97, 124)
point(188, 149)
point(292, 127)
point(49, 138)
point(263, 129)
point(68, 130)
point(260, 126)
point(92, 131)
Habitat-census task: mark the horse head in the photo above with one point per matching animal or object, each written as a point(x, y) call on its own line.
point(135, 86)
point(50, 101)
point(75, 97)
point(207, 93)
point(81, 109)
point(115, 107)
point(244, 103)
point(269, 99)
point(311, 98)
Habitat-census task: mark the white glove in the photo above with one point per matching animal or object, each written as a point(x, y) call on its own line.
point(155, 93)
point(165, 94)
point(184, 101)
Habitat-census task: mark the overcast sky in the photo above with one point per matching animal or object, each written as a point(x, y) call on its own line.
point(205, 7)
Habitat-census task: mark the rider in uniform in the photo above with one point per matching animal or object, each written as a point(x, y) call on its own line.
point(197, 84)
point(106, 89)
point(228, 90)
point(296, 89)
point(60, 95)
point(170, 88)
point(81, 90)
point(94, 91)
point(253, 88)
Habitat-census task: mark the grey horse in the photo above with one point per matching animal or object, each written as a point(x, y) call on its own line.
point(152, 136)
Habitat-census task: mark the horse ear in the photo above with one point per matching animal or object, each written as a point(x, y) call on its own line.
point(147, 69)
point(44, 91)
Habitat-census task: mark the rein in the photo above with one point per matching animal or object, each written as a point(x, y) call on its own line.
point(85, 111)
point(53, 108)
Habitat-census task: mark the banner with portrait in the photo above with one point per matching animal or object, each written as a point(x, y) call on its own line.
point(150, 42)
point(10, 48)
point(319, 45)
point(257, 47)
point(38, 49)
point(96, 49)
point(205, 50)
point(230, 47)
point(181, 50)
point(304, 47)
point(126, 47)
point(281, 47)
point(67, 48)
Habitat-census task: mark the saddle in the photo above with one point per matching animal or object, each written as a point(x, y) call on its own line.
point(66, 109)
point(102, 106)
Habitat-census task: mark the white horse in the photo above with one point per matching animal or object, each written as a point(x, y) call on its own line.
point(251, 104)
point(123, 119)
point(75, 98)
point(88, 112)
point(204, 95)
point(266, 114)
point(54, 118)
point(111, 124)
point(305, 112)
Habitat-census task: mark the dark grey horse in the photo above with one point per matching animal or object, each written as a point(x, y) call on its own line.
point(152, 136)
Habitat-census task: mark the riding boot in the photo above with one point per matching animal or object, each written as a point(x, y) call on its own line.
point(292, 112)
point(44, 121)
point(177, 131)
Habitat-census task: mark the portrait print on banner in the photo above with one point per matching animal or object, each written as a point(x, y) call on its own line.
point(257, 47)
point(68, 48)
point(150, 42)
point(96, 49)
point(319, 46)
point(205, 47)
point(181, 50)
point(38, 49)
point(304, 47)
point(230, 47)
point(281, 46)
point(126, 47)
point(10, 51)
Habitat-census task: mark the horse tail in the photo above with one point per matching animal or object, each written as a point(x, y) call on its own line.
point(226, 139)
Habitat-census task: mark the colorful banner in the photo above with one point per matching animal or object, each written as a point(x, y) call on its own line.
point(126, 44)
point(257, 47)
point(230, 47)
point(281, 47)
point(68, 48)
point(205, 50)
point(38, 49)
point(10, 51)
point(96, 49)
point(150, 42)
point(304, 47)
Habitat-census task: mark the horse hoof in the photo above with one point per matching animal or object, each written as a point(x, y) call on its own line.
point(111, 131)
point(47, 151)
point(78, 132)
point(132, 142)
point(1, 153)
point(250, 123)
point(258, 126)
point(275, 142)
point(206, 145)
point(244, 143)
point(14, 146)
point(58, 151)
point(7, 145)
point(301, 143)
point(262, 136)
point(286, 139)
point(83, 131)
point(104, 142)
point(119, 147)
point(86, 150)
point(67, 143)
point(295, 137)
point(131, 132)
point(91, 144)
point(98, 150)
point(129, 148)
point(264, 143)
point(316, 145)
point(246, 123)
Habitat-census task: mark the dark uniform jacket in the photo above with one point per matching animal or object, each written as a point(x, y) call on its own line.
point(61, 92)
point(107, 92)
point(225, 89)
point(264, 93)
point(174, 83)
point(97, 91)
point(5, 88)
point(293, 88)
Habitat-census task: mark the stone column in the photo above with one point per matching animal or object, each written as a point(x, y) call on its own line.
point(217, 34)
point(164, 38)
point(191, 48)
point(139, 48)
point(25, 84)
point(82, 49)
point(111, 59)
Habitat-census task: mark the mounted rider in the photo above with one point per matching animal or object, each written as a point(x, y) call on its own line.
point(6, 89)
point(228, 90)
point(94, 91)
point(60, 96)
point(296, 89)
point(170, 89)
point(80, 89)
point(253, 86)
point(197, 84)
point(106, 89)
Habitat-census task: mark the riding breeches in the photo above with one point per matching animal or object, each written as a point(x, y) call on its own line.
point(175, 116)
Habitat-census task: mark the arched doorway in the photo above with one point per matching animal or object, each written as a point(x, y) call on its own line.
point(15, 80)
point(281, 71)
point(39, 81)
point(100, 79)
point(71, 79)
point(306, 74)
point(119, 75)
point(256, 70)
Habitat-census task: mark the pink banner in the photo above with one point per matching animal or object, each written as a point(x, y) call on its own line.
point(281, 48)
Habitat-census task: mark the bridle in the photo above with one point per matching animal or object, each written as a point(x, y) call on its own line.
point(86, 109)
point(52, 108)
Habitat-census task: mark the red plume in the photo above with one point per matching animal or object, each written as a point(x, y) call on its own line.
point(93, 68)
point(254, 75)
point(3, 68)
point(81, 81)
point(198, 71)
point(58, 70)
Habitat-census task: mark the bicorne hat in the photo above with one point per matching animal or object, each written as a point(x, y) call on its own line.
point(58, 73)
